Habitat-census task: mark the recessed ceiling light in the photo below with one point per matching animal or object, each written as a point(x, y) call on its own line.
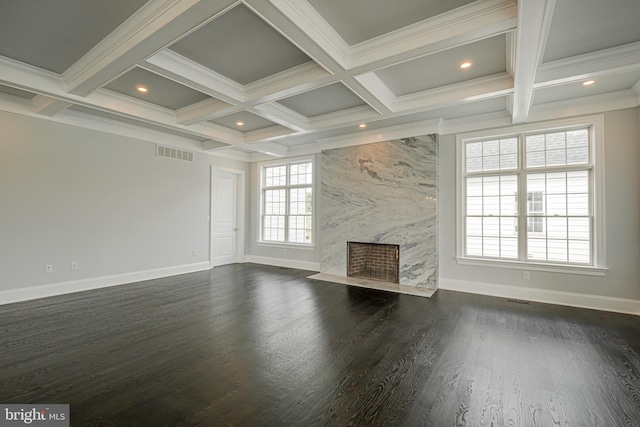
point(465, 65)
point(588, 83)
point(239, 123)
point(362, 125)
point(142, 89)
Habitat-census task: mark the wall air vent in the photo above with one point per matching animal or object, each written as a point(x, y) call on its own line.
point(174, 153)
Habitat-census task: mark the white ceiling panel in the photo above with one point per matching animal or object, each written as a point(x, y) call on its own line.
point(8, 90)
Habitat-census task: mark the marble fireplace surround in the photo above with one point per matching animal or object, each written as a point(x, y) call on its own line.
point(384, 192)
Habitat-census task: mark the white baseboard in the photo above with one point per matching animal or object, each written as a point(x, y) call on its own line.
point(43, 291)
point(281, 262)
point(596, 302)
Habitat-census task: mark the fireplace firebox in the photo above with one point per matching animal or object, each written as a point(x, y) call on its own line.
point(375, 261)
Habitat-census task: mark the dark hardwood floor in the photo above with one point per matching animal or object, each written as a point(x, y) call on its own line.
point(250, 345)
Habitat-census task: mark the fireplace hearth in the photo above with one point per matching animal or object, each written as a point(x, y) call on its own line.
point(375, 261)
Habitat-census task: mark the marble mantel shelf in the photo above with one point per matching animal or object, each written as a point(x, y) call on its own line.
point(375, 284)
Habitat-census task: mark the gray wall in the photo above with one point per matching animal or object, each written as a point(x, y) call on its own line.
point(106, 201)
point(622, 199)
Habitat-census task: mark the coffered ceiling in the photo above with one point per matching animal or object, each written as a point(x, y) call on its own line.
point(270, 78)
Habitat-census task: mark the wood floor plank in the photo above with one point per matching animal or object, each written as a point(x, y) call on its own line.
point(245, 345)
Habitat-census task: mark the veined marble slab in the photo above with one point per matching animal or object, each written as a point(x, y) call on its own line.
point(384, 192)
point(375, 284)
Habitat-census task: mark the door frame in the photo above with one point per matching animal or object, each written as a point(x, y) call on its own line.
point(240, 212)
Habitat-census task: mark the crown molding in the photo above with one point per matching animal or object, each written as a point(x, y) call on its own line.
point(596, 64)
point(32, 79)
point(472, 90)
point(48, 106)
point(378, 135)
point(225, 152)
point(474, 123)
point(586, 105)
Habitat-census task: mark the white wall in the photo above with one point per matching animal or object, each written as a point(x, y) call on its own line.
point(106, 201)
point(622, 199)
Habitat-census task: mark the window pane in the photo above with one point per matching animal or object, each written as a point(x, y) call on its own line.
point(474, 226)
point(275, 176)
point(579, 228)
point(579, 252)
point(578, 182)
point(273, 229)
point(300, 229)
point(557, 228)
point(300, 173)
point(492, 155)
point(474, 246)
point(275, 203)
point(537, 249)
point(577, 155)
point(491, 247)
point(509, 248)
point(474, 186)
point(555, 141)
point(491, 205)
point(491, 226)
point(557, 250)
point(491, 186)
point(474, 206)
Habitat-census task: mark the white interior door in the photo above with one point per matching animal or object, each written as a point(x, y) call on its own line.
point(225, 217)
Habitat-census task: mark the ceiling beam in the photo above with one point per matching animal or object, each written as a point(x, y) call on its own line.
point(534, 22)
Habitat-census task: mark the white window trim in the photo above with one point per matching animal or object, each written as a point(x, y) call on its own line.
point(596, 124)
point(314, 214)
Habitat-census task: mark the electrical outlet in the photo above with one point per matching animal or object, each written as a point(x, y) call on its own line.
point(526, 275)
point(194, 252)
point(48, 268)
point(75, 265)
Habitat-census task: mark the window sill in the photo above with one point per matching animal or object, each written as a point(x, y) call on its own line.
point(288, 246)
point(532, 266)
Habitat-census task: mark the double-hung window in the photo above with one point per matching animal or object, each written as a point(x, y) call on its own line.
point(530, 198)
point(287, 202)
